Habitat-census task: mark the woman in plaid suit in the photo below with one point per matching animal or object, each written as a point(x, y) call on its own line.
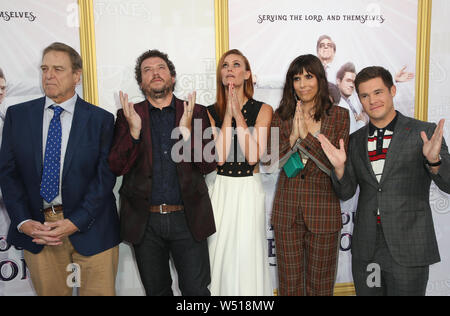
point(306, 213)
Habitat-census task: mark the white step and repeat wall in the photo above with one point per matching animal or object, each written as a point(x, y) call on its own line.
point(439, 108)
point(26, 28)
point(184, 29)
point(270, 33)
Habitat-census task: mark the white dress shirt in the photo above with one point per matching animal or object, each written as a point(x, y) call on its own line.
point(66, 118)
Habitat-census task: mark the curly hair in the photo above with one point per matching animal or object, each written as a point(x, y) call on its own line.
point(150, 54)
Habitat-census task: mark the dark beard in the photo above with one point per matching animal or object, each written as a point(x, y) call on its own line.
point(157, 94)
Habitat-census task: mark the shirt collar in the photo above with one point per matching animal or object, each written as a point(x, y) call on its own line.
point(389, 127)
point(68, 106)
point(172, 105)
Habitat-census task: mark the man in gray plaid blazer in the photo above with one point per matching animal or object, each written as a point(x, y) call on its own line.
point(393, 160)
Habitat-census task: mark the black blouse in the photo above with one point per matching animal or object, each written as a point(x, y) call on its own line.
point(236, 165)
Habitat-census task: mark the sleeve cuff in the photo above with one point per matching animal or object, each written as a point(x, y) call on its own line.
point(83, 223)
point(20, 225)
point(136, 141)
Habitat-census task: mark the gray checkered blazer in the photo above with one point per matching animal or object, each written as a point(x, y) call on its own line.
point(402, 196)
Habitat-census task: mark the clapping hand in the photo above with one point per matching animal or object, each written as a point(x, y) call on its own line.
point(133, 119)
point(336, 156)
point(432, 147)
point(186, 119)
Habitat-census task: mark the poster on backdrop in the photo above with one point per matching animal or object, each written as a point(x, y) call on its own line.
point(439, 108)
point(26, 28)
point(182, 29)
point(345, 34)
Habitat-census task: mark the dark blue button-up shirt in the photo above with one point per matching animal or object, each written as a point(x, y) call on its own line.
point(165, 185)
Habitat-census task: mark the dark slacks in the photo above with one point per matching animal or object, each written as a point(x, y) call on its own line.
point(383, 276)
point(165, 235)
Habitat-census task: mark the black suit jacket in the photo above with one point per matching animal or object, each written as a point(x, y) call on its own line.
point(134, 161)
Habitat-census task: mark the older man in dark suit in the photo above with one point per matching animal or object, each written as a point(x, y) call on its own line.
point(393, 159)
point(57, 185)
point(165, 207)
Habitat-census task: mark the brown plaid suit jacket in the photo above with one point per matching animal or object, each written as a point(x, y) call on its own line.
point(311, 192)
point(134, 162)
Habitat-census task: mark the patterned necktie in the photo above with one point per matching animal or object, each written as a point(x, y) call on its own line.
point(50, 176)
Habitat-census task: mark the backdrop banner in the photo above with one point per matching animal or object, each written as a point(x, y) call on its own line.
point(439, 108)
point(271, 34)
point(182, 29)
point(364, 33)
point(26, 28)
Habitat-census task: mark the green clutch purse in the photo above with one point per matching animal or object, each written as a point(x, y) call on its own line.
point(293, 166)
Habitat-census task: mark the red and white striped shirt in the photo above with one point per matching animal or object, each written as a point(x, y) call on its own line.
point(378, 145)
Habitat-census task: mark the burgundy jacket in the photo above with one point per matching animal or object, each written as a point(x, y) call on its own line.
point(134, 162)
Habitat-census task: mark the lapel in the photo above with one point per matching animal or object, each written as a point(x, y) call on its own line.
point(179, 106)
point(81, 117)
point(36, 115)
point(401, 133)
point(327, 126)
point(142, 109)
point(182, 169)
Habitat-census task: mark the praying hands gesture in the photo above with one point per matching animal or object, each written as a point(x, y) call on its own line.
point(233, 109)
point(299, 127)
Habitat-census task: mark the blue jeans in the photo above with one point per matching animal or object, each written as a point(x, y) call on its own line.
point(169, 234)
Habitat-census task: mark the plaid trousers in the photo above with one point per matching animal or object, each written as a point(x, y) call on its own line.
point(306, 261)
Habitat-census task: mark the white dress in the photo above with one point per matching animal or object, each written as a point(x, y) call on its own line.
point(238, 251)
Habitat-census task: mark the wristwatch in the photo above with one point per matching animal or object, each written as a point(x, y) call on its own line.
point(435, 164)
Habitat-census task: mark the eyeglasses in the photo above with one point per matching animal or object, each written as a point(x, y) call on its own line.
point(326, 45)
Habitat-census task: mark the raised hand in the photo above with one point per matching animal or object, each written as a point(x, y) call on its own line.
point(403, 75)
point(336, 156)
point(186, 119)
point(432, 147)
point(133, 119)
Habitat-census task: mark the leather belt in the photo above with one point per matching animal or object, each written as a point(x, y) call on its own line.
point(53, 209)
point(165, 209)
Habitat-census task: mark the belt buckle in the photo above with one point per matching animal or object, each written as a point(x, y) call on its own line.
point(161, 211)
